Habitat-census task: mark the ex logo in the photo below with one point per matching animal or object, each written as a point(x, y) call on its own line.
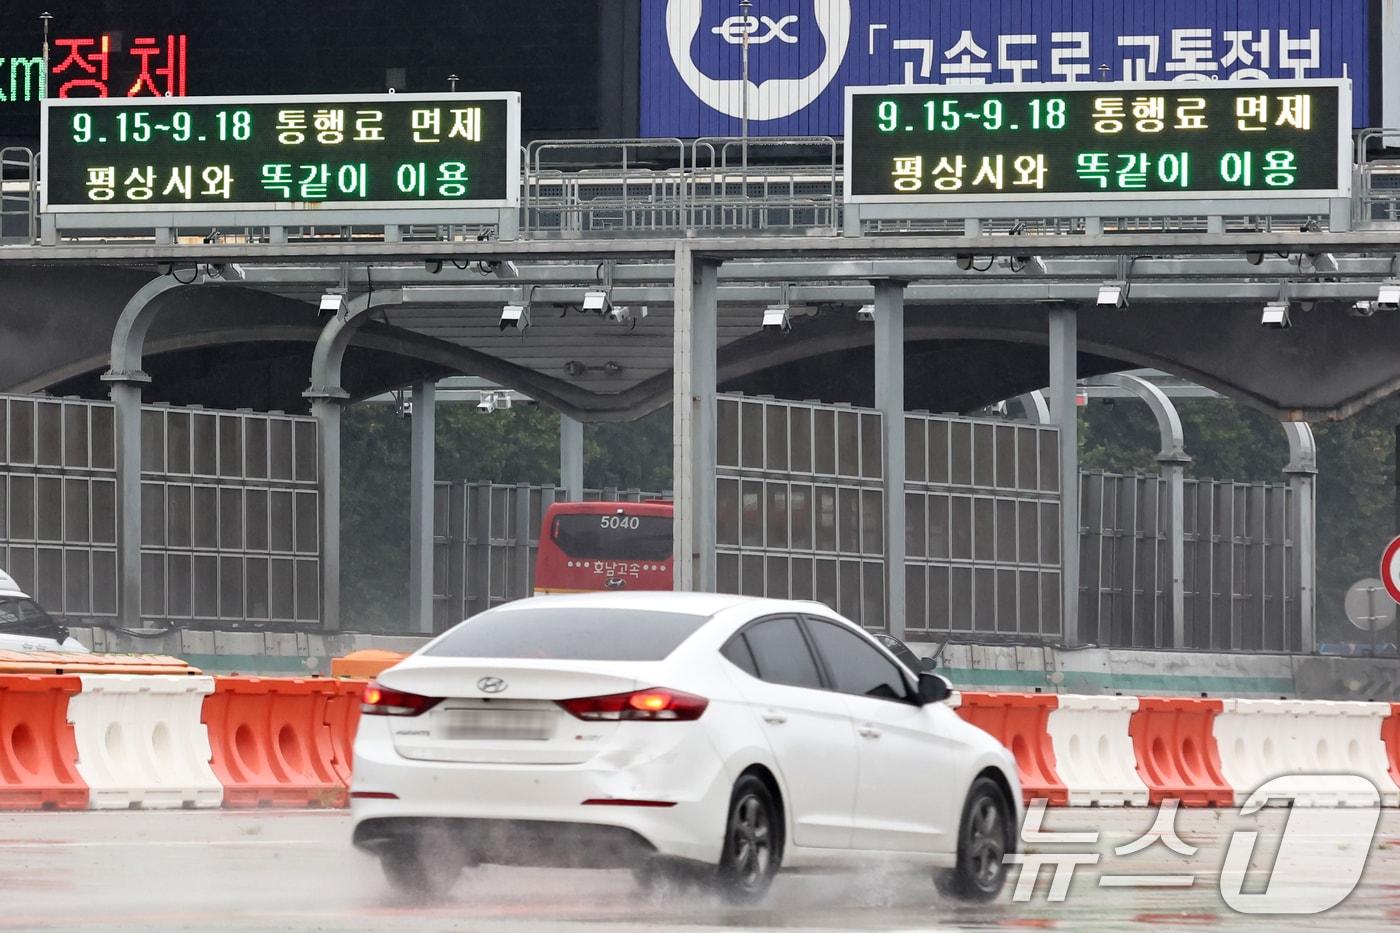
point(733, 29)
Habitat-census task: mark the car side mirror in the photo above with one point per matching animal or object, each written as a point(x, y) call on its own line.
point(928, 664)
point(933, 688)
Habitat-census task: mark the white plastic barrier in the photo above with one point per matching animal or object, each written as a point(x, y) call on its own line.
point(141, 742)
point(1260, 740)
point(1094, 752)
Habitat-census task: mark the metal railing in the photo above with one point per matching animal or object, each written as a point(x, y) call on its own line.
point(19, 195)
point(627, 186)
point(1376, 185)
point(779, 194)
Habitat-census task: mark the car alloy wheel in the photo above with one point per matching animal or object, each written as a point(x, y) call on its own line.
point(986, 843)
point(753, 842)
point(985, 836)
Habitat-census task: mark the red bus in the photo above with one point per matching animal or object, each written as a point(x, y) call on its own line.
point(588, 546)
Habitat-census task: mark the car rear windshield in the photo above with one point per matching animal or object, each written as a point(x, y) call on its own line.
point(569, 634)
point(20, 615)
point(613, 536)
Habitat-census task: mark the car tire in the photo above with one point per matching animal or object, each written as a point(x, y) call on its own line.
point(753, 842)
point(985, 836)
point(424, 865)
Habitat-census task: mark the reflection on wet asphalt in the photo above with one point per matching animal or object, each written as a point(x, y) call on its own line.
point(296, 870)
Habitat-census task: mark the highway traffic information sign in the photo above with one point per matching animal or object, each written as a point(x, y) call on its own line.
point(269, 153)
point(1091, 141)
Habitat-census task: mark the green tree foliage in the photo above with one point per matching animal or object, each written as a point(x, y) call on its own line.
point(519, 445)
point(630, 455)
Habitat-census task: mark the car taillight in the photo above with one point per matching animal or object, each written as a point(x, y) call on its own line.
point(654, 704)
point(379, 700)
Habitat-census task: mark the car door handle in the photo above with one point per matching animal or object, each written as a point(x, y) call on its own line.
point(870, 732)
point(776, 719)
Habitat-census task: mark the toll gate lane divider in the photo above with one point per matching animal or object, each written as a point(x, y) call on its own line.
point(158, 741)
point(95, 741)
point(1134, 751)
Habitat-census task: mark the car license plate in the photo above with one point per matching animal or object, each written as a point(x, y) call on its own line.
point(496, 724)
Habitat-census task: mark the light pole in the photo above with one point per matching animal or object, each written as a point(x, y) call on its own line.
point(45, 17)
point(744, 7)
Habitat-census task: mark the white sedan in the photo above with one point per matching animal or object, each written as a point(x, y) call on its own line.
point(719, 737)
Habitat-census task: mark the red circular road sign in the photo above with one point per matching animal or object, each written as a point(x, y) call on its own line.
point(1390, 569)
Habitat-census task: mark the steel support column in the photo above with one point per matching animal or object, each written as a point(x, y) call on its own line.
point(571, 457)
point(1302, 480)
point(1064, 342)
point(889, 399)
point(694, 348)
point(328, 399)
point(326, 409)
point(1173, 473)
point(126, 400)
point(127, 378)
point(420, 521)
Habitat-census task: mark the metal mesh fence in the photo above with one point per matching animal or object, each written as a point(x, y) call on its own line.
point(1240, 573)
point(230, 516)
point(800, 508)
point(58, 503)
point(485, 538)
point(982, 527)
point(229, 507)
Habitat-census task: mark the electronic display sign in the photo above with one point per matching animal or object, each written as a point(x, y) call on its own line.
point(278, 153)
point(1099, 141)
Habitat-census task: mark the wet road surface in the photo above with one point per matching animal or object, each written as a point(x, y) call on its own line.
point(271, 870)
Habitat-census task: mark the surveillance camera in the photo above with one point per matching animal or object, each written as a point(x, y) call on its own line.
point(964, 261)
point(1276, 315)
point(405, 408)
point(1113, 295)
point(597, 301)
point(1028, 265)
point(775, 319)
point(866, 313)
point(487, 404)
point(620, 313)
point(331, 303)
point(1363, 308)
point(1254, 257)
point(517, 316)
point(1388, 298)
point(432, 266)
point(1323, 262)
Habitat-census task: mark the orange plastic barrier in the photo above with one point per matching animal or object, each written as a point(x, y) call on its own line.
point(368, 662)
point(270, 742)
point(1390, 734)
point(73, 662)
point(38, 754)
point(1177, 757)
point(1019, 721)
point(343, 718)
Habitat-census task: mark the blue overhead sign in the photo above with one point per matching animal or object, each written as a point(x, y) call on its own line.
point(804, 53)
